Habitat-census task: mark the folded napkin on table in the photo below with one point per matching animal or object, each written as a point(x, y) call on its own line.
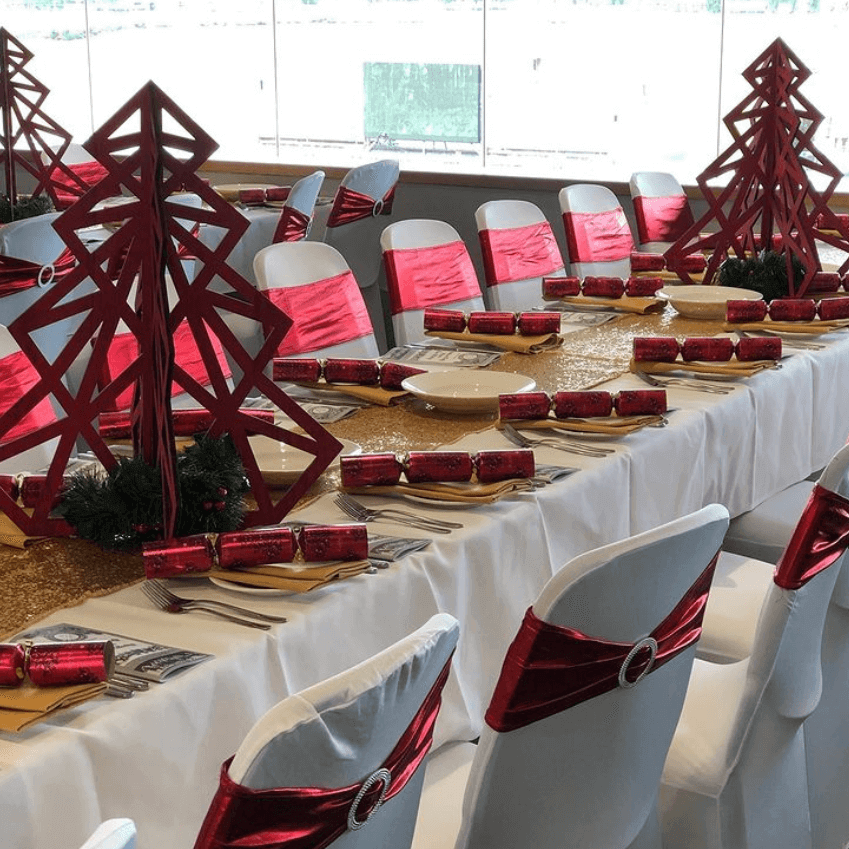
point(23, 706)
point(696, 276)
point(814, 328)
point(640, 306)
point(371, 394)
point(727, 368)
point(612, 425)
point(462, 493)
point(11, 534)
point(289, 577)
point(507, 342)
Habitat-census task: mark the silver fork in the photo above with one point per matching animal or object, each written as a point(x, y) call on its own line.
point(210, 602)
point(171, 607)
point(796, 344)
point(706, 387)
point(553, 442)
point(361, 513)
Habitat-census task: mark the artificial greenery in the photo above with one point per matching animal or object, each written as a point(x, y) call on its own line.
point(26, 207)
point(122, 508)
point(765, 273)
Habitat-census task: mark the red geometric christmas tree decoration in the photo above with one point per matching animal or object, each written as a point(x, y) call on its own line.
point(138, 147)
point(23, 120)
point(768, 202)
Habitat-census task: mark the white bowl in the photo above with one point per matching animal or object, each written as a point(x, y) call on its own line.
point(466, 390)
point(705, 301)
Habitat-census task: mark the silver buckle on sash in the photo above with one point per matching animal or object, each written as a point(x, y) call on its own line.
point(645, 643)
point(378, 775)
point(377, 208)
point(40, 281)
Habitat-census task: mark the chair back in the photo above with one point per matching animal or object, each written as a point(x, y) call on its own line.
point(33, 239)
point(598, 235)
point(588, 775)
point(661, 209)
point(297, 213)
point(427, 265)
point(338, 734)
point(518, 249)
point(113, 834)
point(313, 284)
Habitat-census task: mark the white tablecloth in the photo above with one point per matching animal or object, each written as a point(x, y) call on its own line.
point(156, 757)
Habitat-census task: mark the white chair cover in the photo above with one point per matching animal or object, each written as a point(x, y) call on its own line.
point(422, 234)
point(587, 776)
point(358, 241)
point(515, 295)
point(584, 199)
point(660, 185)
point(736, 775)
point(337, 733)
point(33, 239)
point(305, 193)
point(113, 834)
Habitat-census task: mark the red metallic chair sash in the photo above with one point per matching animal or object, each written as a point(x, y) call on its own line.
point(17, 274)
point(662, 219)
point(598, 236)
point(549, 668)
point(325, 313)
point(313, 817)
point(66, 189)
point(424, 277)
point(519, 253)
point(349, 206)
point(821, 536)
point(292, 226)
point(17, 377)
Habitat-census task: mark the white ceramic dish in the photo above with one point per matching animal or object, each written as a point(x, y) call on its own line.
point(705, 301)
point(281, 464)
point(466, 391)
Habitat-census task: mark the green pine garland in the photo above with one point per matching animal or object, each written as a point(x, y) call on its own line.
point(765, 273)
point(123, 508)
point(26, 207)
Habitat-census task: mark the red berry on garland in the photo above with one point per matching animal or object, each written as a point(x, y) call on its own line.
point(207, 505)
point(222, 491)
point(220, 505)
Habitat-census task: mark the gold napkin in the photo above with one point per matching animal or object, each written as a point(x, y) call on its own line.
point(611, 425)
point(372, 394)
point(23, 706)
point(727, 368)
point(462, 493)
point(695, 276)
point(11, 534)
point(640, 306)
point(812, 328)
point(509, 342)
point(290, 577)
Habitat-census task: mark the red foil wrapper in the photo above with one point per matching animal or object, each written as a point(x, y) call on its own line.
point(9, 485)
point(370, 470)
point(694, 263)
point(363, 372)
point(524, 405)
point(640, 402)
point(31, 490)
point(185, 422)
point(324, 543)
point(452, 321)
point(758, 348)
point(824, 281)
point(643, 287)
point(604, 287)
point(51, 665)
point(793, 309)
point(277, 193)
point(252, 548)
point(252, 196)
point(500, 323)
point(707, 349)
point(660, 349)
point(493, 466)
point(740, 311)
point(647, 262)
point(12, 659)
point(392, 375)
point(173, 558)
point(830, 308)
point(421, 466)
point(560, 287)
point(538, 323)
point(296, 370)
point(582, 404)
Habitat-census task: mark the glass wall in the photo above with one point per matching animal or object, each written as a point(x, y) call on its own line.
point(589, 89)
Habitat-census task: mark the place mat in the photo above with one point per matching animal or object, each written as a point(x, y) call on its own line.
point(508, 342)
point(639, 306)
point(462, 493)
point(731, 368)
point(810, 328)
point(21, 707)
point(371, 394)
point(611, 425)
point(289, 577)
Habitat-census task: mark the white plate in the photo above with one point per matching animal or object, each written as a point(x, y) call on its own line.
point(282, 464)
point(705, 301)
point(468, 391)
point(242, 588)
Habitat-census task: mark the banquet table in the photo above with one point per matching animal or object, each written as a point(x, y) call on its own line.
point(156, 757)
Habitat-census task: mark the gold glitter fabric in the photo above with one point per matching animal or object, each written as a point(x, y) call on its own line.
point(58, 573)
